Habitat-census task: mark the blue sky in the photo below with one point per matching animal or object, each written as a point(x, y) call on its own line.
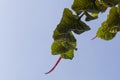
point(26, 28)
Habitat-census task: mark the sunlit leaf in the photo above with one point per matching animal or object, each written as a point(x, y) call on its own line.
point(113, 18)
point(95, 14)
point(104, 32)
point(58, 48)
point(115, 29)
point(68, 55)
point(111, 26)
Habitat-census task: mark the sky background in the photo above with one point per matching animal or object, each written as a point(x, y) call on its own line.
point(26, 28)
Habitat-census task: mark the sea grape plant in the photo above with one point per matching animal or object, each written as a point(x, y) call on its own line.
point(64, 41)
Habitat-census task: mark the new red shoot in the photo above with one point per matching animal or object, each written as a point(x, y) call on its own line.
point(94, 37)
point(54, 65)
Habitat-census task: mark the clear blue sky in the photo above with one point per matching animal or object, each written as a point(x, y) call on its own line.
point(26, 28)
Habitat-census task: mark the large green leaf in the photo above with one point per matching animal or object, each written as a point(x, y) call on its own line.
point(111, 2)
point(104, 32)
point(113, 18)
point(67, 21)
point(94, 6)
point(111, 26)
point(68, 55)
point(84, 5)
point(70, 23)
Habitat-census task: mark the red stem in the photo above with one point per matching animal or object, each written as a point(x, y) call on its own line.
point(54, 65)
point(94, 37)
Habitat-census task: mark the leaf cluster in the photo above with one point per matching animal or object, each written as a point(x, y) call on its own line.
point(64, 41)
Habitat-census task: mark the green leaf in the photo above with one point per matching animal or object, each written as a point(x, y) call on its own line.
point(113, 18)
point(88, 5)
point(58, 48)
point(111, 26)
point(80, 27)
point(111, 2)
point(69, 37)
point(69, 45)
point(118, 9)
point(70, 23)
point(68, 55)
point(66, 23)
point(91, 17)
point(101, 6)
point(104, 32)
